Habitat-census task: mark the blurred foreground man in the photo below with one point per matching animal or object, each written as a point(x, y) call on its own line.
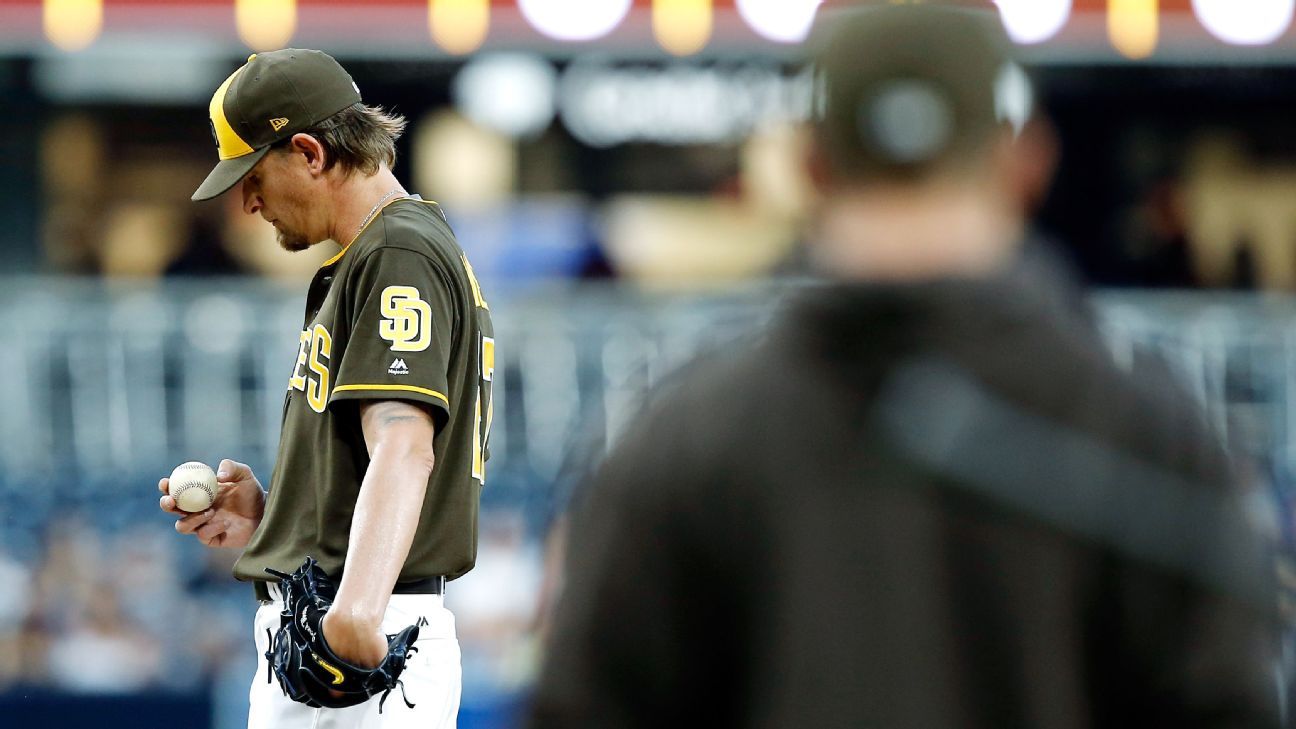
point(926, 498)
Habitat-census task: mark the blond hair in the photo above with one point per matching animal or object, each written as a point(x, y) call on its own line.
point(358, 138)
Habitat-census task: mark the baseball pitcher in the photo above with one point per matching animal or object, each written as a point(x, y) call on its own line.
point(373, 502)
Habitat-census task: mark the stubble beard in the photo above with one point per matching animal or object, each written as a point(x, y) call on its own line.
point(290, 241)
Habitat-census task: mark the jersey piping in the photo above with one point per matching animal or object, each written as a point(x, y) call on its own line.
point(395, 388)
point(377, 214)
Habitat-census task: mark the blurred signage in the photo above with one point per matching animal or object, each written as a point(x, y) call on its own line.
point(604, 104)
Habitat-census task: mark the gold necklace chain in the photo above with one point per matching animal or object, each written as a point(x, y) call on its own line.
point(374, 212)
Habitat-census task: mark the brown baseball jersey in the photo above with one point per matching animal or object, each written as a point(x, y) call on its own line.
point(397, 315)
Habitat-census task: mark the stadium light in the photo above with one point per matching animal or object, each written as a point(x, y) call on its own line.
point(1245, 22)
point(265, 25)
point(1014, 97)
point(574, 20)
point(511, 93)
point(682, 27)
point(1133, 27)
point(459, 26)
point(783, 21)
point(1034, 21)
point(73, 24)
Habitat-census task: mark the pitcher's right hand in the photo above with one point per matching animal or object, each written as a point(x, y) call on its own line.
point(232, 518)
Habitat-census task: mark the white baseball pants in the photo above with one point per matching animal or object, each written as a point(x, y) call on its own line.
point(433, 676)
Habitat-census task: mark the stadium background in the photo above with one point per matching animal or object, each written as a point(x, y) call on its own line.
point(623, 174)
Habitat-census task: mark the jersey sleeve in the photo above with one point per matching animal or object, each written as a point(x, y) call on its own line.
point(403, 320)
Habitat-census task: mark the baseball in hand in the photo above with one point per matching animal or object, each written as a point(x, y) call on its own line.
point(193, 486)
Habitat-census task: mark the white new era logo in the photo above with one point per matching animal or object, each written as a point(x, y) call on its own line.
point(398, 367)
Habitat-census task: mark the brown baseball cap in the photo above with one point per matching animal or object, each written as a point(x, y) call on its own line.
point(272, 97)
point(905, 85)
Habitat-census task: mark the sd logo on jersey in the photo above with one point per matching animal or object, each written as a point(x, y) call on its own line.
point(407, 319)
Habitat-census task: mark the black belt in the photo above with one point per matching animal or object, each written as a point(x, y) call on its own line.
point(426, 586)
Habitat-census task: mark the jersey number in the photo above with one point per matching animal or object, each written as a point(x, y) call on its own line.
point(481, 431)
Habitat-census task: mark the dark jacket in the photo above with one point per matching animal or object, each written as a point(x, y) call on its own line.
point(920, 506)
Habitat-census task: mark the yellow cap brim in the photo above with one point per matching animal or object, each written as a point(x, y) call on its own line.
point(227, 174)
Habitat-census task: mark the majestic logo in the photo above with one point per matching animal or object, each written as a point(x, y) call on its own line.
point(407, 320)
point(278, 123)
point(398, 367)
point(333, 671)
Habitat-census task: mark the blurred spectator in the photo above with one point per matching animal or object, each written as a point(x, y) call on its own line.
point(206, 252)
point(73, 158)
point(1158, 238)
point(1241, 215)
point(15, 601)
point(143, 571)
point(101, 651)
point(15, 592)
point(497, 605)
point(102, 613)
